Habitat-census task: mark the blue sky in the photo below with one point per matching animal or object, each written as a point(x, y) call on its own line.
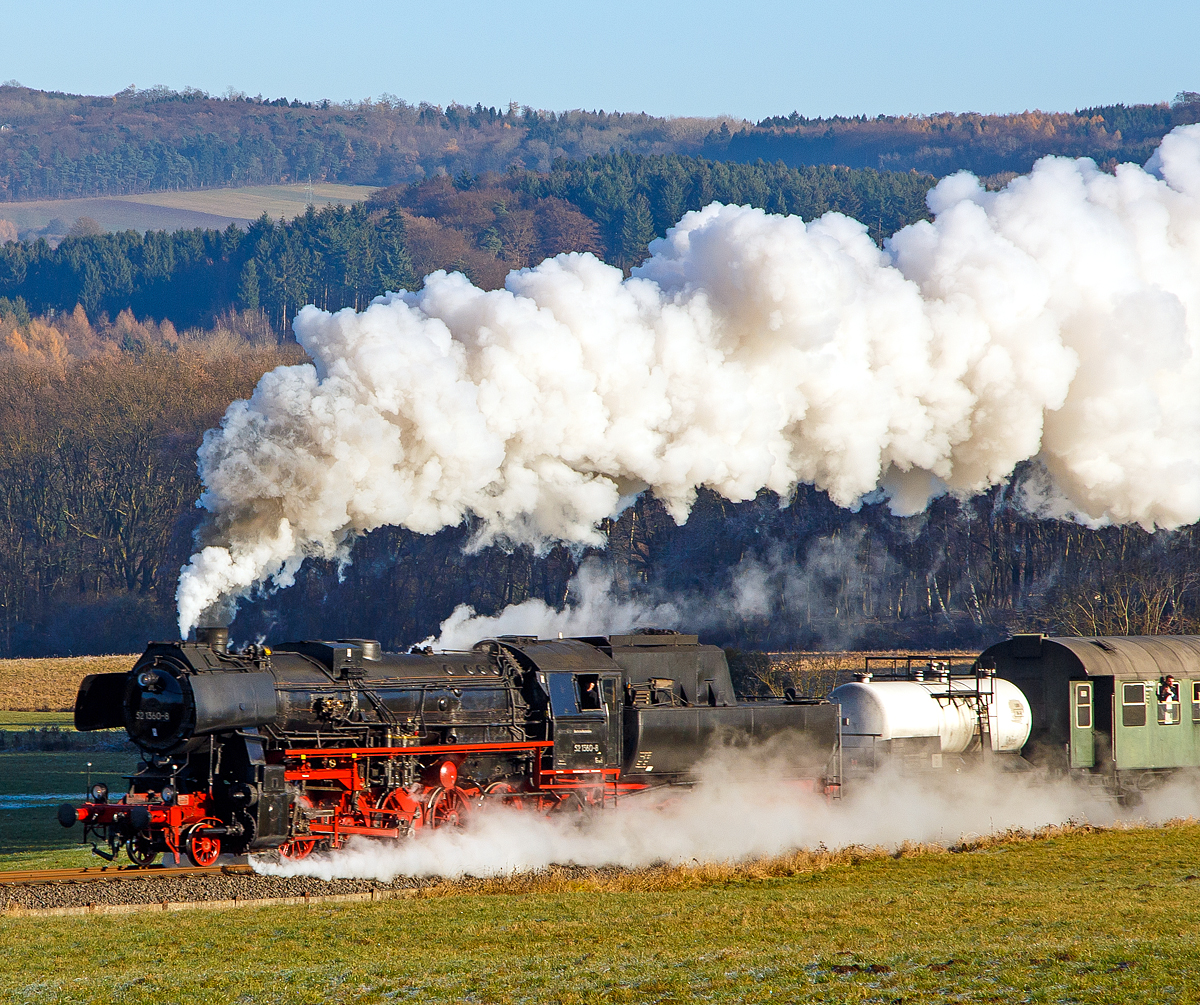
point(667, 58)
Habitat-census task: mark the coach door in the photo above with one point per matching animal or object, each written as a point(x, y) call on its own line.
point(1083, 737)
point(587, 719)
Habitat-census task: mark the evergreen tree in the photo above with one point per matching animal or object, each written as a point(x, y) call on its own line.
point(637, 231)
point(248, 286)
point(395, 269)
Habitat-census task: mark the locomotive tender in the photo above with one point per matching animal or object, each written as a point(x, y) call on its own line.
point(302, 745)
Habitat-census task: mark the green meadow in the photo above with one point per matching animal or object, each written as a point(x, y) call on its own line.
point(1080, 917)
point(31, 787)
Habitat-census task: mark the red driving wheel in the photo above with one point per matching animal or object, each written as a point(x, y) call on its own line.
point(297, 848)
point(570, 804)
point(203, 849)
point(398, 809)
point(447, 807)
point(504, 793)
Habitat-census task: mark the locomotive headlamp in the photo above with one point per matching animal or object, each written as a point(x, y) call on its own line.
point(148, 680)
point(99, 793)
point(168, 794)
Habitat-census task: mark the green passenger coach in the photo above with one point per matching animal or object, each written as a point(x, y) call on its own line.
point(1123, 711)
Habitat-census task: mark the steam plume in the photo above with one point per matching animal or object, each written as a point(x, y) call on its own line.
point(1057, 319)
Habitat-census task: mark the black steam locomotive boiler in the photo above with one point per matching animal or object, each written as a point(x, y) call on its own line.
point(301, 745)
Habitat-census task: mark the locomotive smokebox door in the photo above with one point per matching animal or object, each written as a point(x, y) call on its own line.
point(586, 719)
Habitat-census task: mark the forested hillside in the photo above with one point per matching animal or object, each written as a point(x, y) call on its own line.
point(55, 145)
point(482, 225)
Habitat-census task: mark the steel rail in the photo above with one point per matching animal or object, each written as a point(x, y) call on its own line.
point(95, 874)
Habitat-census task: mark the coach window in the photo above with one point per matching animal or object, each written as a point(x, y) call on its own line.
point(1083, 706)
point(1133, 704)
point(1169, 711)
point(1196, 701)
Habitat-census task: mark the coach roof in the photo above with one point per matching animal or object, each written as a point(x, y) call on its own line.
point(1126, 656)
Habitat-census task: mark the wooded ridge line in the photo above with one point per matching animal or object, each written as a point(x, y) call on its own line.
point(55, 145)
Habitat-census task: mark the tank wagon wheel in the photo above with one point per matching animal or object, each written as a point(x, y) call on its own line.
point(203, 849)
point(297, 848)
point(447, 807)
point(141, 850)
point(504, 793)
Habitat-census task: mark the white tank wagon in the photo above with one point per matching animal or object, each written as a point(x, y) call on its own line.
point(918, 714)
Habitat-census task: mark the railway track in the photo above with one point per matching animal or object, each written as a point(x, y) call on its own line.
point(108, 890)
point(96, 874)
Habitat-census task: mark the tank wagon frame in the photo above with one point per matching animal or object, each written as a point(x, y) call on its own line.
point(926, 712)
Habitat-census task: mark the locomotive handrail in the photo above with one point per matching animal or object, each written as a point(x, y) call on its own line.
point(440, 748)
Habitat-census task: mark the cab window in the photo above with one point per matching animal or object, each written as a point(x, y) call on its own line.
point(589, 691)
point(562, 694)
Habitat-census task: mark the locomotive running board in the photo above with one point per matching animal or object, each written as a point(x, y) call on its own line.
point(441, 748)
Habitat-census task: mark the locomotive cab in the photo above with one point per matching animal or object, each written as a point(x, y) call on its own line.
point(587, 719)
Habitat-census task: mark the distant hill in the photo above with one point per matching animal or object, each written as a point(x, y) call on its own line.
point(481, 225)
point(942, 144)
point(56, 146)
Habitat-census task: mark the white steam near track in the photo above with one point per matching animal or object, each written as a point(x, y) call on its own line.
point(1058, 319)
point(738, 813)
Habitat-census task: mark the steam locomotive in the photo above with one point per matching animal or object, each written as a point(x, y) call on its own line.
point(303, 745)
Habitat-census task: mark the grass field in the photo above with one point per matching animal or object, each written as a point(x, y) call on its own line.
point(12, 721)
point(50, 685)
point(215, 207)
point(1082, 917)
point(31, 787)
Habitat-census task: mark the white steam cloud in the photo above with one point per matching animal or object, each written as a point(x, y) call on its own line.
point(737, 813)
point(1057, 319)
point(774, 585)
point(593, 607)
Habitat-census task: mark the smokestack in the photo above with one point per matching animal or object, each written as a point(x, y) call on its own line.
point(216, 638)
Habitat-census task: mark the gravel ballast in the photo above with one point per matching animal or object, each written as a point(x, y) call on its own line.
point(153, 892)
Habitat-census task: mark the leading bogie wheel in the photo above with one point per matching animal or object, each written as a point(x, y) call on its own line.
point(203, 849)
point(141, 850)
